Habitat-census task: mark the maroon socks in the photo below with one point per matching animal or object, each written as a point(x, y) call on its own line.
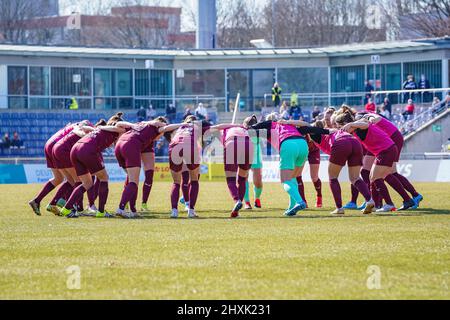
point(406, 184)
point(92, 193)
point(175, 195)
point(75, 197)
point(185, 185)
point(397, 186)
point(48, 187)
point(336, 190)
point(365, 175)
point(361, 186)
point(381, 188)
point(318, 187)
point(355, 193)
point(301, 187)
point(193, 193)
point(147, 187)
point(234, 191)
point(128, 195)
point(241, 187)
point(103, 191)
point(61, 193)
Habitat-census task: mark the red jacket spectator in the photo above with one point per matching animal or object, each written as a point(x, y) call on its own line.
point(410, 108)
point(370, 106)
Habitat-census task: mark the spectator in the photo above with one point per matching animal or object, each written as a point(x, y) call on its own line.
point(409, 109)
point(295, 112)
point(387, 105)
point(72, 104)
point(438, 106)
point(424, 84)
point(315, 113)
point(201, 113)
point(150, 112)
point(5, 142)
point(171, 112)
point(16, 142)
point(276, 95)
point(187, 112)
point(141, 114)
point(384, 112)
point(409, 84)
point(370, 106)
point(294, 99)
point(368, 88)
point(284, 111)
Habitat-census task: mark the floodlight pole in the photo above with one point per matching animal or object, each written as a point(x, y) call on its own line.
point(273, 23)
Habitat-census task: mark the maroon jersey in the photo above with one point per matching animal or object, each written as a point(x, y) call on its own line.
point(142, 132)
point(99, 139)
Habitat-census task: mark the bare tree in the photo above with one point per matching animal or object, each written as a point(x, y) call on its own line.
point(418, 18)
point(15, 17)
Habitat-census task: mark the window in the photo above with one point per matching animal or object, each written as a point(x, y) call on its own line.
point(201, 82)
point(39, 81)
point(103, 83)
point(124, 82)
point(161, 82)
point(71, 82)
point(142, 82)
point(431, 69)
point(17, 81)
point(303, 80)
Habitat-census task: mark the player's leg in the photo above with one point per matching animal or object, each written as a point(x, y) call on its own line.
point(148, 161)
point(103, 193)
point(300, 184)
point(129, 194)
point(51, 184)
point(77, 194)
point(194, 189)
point(333, 173)
point(314, 172)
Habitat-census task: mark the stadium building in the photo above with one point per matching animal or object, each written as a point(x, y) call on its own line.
point(38, 78)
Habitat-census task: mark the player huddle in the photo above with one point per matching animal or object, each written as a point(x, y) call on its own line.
point(367, 143)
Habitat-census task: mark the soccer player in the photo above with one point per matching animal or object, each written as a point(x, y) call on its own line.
point(293, 151)
point(380, 144)
point(86, 157)
point(186, 147)
point(238, 152)
point(128, 152)
point(58, 176)
point(61, 155)
point(256, 169)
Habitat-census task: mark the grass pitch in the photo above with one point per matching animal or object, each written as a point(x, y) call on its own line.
point(261, 255)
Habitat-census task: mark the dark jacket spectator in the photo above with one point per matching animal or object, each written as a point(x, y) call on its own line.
point(387, 105)
point(141, 114)
point(171, 112)
point(187, 112)
point(425, 84)
point(6, 141)
point(315, 113)
point(368, 90)
point(409, 84)
point(295, 112)
point(16, 142)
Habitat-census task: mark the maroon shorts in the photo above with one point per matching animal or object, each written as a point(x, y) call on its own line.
point(187, 153)
point(61, 156)
point(397, 137)
point(238, 154)
point(48, 150)
point(314, 156)
point(346, 150)
point(387, 157)
point(149, 148)
point(85, 159)
point(128, 154)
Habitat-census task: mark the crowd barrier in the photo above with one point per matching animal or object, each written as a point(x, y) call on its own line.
point(416, 170)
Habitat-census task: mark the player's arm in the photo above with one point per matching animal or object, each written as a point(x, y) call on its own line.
point(267, 125)
point(124, 124)
point(313, 131)
point(350, 127)
point(170, 127)
point(297, 123)
point(112, 129)
point(224, 126)
point(372, 118)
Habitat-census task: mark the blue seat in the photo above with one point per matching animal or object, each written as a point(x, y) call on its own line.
point(32, 115)
point(5, 115)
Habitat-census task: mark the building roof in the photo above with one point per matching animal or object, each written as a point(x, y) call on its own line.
point(330, 51)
